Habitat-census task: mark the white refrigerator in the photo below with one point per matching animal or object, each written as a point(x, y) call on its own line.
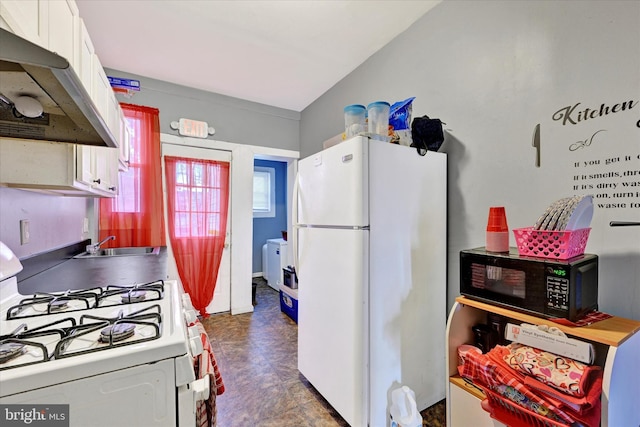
point(369, 247)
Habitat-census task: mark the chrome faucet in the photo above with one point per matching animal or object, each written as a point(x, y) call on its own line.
point(92, 249)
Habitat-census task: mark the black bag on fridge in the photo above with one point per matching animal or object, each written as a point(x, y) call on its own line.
point(426, 134)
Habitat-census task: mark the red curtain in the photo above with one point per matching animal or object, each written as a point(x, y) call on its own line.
point(136, 215)
point(197, 206)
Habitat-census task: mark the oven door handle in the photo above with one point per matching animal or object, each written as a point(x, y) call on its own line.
point(201, 390)
point(188, 396)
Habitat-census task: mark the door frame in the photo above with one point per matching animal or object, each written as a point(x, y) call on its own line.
point(241, 181)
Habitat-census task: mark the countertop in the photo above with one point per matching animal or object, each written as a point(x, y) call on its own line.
point(82, 273)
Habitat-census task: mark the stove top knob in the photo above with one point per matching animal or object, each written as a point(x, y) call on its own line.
point(195, 345)
point(190, 316)
point(193, 331)
point(186, 301)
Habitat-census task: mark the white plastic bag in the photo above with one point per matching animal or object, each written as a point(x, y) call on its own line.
point(404, 411)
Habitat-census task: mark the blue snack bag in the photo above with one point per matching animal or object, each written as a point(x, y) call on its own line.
point(400, 114)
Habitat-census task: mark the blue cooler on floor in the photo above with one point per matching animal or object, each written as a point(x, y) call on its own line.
point(289, 302)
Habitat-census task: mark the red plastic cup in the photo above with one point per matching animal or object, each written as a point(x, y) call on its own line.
point(497, 219)
point(497, 230)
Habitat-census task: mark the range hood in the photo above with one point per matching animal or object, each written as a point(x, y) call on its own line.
point(70, 115)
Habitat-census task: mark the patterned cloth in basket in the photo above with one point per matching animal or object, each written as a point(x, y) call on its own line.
point(565, 374)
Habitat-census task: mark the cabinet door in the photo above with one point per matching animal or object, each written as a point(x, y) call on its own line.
point(101, 88)
point(125, 143)
point(101, 167)
point(84, 164)
point(113, 114)
point(105, 164)
point(62, 34)
point(112, 170)
point(466, 410)
point(28, 19)
point(85, 58)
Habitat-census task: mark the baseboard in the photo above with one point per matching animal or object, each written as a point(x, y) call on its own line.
point(258, 274)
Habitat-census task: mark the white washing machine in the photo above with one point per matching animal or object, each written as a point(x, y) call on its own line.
point(264, 261)
point(276, 261)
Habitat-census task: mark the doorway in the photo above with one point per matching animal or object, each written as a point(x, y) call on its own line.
point(270, 212)
point(241, 226)
point(221, 301)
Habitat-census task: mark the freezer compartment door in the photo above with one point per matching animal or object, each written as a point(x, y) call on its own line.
point(333, 185)
point(332, 333)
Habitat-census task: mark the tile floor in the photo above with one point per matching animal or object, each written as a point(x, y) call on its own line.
point(257, 357)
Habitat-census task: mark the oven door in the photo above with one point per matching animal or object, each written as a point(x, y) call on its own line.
point(508, 282)
point(143, 395)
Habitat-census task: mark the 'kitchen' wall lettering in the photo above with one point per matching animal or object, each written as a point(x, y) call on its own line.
point(570, 115)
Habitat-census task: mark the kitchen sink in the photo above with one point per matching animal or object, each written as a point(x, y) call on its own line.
point(132, 251)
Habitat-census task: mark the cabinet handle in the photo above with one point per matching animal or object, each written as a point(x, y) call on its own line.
point(112, 188)
point(97, 181)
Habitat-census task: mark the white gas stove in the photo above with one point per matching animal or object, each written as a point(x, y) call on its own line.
point(123, 351)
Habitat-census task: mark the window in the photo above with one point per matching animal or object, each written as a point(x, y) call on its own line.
point(197, 198)
point(264, 192)
point(136, 215)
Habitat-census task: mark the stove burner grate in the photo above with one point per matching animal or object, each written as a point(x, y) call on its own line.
point(151, 291)
point(18, 342)
point(10, 350)
point(117, 332)
point(133, 296)
point(55, 302)
point(58, 305)
point(114, 332)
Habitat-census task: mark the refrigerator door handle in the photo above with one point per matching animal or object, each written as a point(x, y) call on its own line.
point(296, 226)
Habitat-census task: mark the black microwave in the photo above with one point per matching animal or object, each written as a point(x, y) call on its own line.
point(540, 286)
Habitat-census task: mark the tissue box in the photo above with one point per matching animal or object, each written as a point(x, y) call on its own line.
point(289, 302)
point(563, 346)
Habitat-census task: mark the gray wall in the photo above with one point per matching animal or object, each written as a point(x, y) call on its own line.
point(235, 120)
point(492, 71)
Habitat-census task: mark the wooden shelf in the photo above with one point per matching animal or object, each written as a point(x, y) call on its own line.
point(469, 388)
point(613, 331)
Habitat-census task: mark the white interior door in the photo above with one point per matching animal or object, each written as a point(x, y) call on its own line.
point(222, 296)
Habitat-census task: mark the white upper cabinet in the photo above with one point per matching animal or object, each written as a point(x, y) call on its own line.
point(105, 169)
point(125, 143)
point(105, 99)
point(63, 34)
point(28, 19)
point(57, 26)
point(84, 170)
point(85, 53)
point(101, 89)
point(65, 169)
point(113, 114)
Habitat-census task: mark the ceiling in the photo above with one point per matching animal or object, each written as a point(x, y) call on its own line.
point(280, 53)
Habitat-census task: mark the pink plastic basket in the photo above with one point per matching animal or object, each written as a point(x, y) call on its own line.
point(551, 244)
